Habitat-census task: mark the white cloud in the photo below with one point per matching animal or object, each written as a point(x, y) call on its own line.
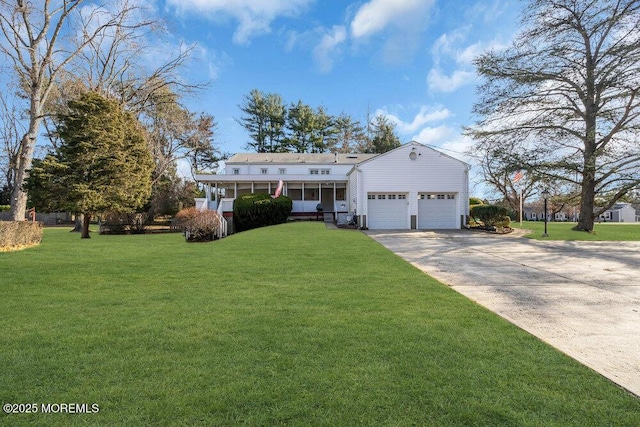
point(325, 52)
point(376, 15)
point(424, 116)
point(439, 82)
point(434, 135)
point(254, 16)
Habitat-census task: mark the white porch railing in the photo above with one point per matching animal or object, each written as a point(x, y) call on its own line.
point(222, 232)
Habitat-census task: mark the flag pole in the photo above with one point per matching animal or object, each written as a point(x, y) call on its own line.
point(520, 206)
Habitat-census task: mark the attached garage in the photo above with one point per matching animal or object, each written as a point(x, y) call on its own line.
point(437, 211)
point(410, 187)
point(387, 211)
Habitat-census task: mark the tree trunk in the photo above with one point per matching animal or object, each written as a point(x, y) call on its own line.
point(588, 192)
point(586, 220)
point(85, 226)
point(18, 196)
point(25, 158)
point(77, 228)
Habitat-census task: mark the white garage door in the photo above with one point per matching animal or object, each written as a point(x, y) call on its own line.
point(387, 211)
point(437, 211)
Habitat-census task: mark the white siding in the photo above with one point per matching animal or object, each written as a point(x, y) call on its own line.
point(273, 169)
point(353, 191)
point(428, 171)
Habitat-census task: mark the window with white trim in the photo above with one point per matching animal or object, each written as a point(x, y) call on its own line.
point(236, 171)
point(381, 196)
point(325, 171)
point(392, 196)
point(264, 171)
point(282, 171)
point(440, 196)
point(402, 196)
point(371, 196)
point(451, 196)
point(313, 171)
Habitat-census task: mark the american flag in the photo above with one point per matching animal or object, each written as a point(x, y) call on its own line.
point(279, 189)
point(517, 177)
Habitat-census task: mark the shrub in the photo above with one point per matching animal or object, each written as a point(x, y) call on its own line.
point(184, 216)
point(490, 215)
point(17, 234)
point(475, 201)
point(199, 226)
point(124, 223)
point(5, 208)
point(259, 210)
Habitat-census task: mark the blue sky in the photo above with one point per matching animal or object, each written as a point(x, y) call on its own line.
point(408, 59)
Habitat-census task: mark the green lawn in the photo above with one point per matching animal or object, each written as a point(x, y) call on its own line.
point(563, 231)
point(285, 325)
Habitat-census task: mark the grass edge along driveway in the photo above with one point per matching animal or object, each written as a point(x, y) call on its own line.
point(292, 324)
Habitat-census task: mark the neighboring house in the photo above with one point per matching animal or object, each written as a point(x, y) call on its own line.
point(620, 212)
point(537, 214)
point(410, 187)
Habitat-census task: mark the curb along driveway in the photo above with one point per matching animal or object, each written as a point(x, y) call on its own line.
point(581, 297)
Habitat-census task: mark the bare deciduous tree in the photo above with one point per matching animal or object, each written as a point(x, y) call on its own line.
point(37, 42)
point(53, 41)
point(567, 91)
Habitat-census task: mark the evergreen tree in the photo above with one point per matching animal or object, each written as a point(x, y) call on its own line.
point(382, 136)
point(349, 134)
point(301, 123)
point(264, 120)
point(102, 163)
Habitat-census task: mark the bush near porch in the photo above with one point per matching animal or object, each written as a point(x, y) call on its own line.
point(259, 210)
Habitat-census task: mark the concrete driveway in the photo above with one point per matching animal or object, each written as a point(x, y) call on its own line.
point(581, 297)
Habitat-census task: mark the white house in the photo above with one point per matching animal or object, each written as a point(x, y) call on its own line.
point(620, 212)
point(410, 187)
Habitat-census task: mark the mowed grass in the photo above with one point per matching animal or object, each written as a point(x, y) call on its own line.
point(563, 231)
point(285, 325)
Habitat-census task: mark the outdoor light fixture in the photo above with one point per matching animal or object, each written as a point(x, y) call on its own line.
point(545, 194)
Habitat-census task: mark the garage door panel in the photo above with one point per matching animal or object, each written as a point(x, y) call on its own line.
point(437, 211)
point(387, 211)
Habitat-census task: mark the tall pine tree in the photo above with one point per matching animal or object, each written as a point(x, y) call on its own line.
point(102, 164)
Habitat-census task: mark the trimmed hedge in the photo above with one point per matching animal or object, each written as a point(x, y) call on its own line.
point(17, 234)
point(259, 210)
point(491, 216)
point(5, 208)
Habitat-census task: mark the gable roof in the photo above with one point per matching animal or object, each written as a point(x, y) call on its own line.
point(414, 144)
point(291, 158)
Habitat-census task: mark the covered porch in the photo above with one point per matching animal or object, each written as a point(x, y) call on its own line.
point(307, 193)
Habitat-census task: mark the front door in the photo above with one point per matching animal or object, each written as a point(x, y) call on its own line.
point(327, 199)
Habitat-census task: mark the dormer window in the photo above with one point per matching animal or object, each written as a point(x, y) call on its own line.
point(313, 172)
point(264, 171)
point(236, 171)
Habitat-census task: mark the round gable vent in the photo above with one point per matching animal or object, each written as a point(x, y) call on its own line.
point(413, 155)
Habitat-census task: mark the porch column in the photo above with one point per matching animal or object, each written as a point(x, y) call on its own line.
point(215, 194)
point(303, 191)
point(252, 187)
point(235, 190)
point(207, 191)
point(334, 196)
